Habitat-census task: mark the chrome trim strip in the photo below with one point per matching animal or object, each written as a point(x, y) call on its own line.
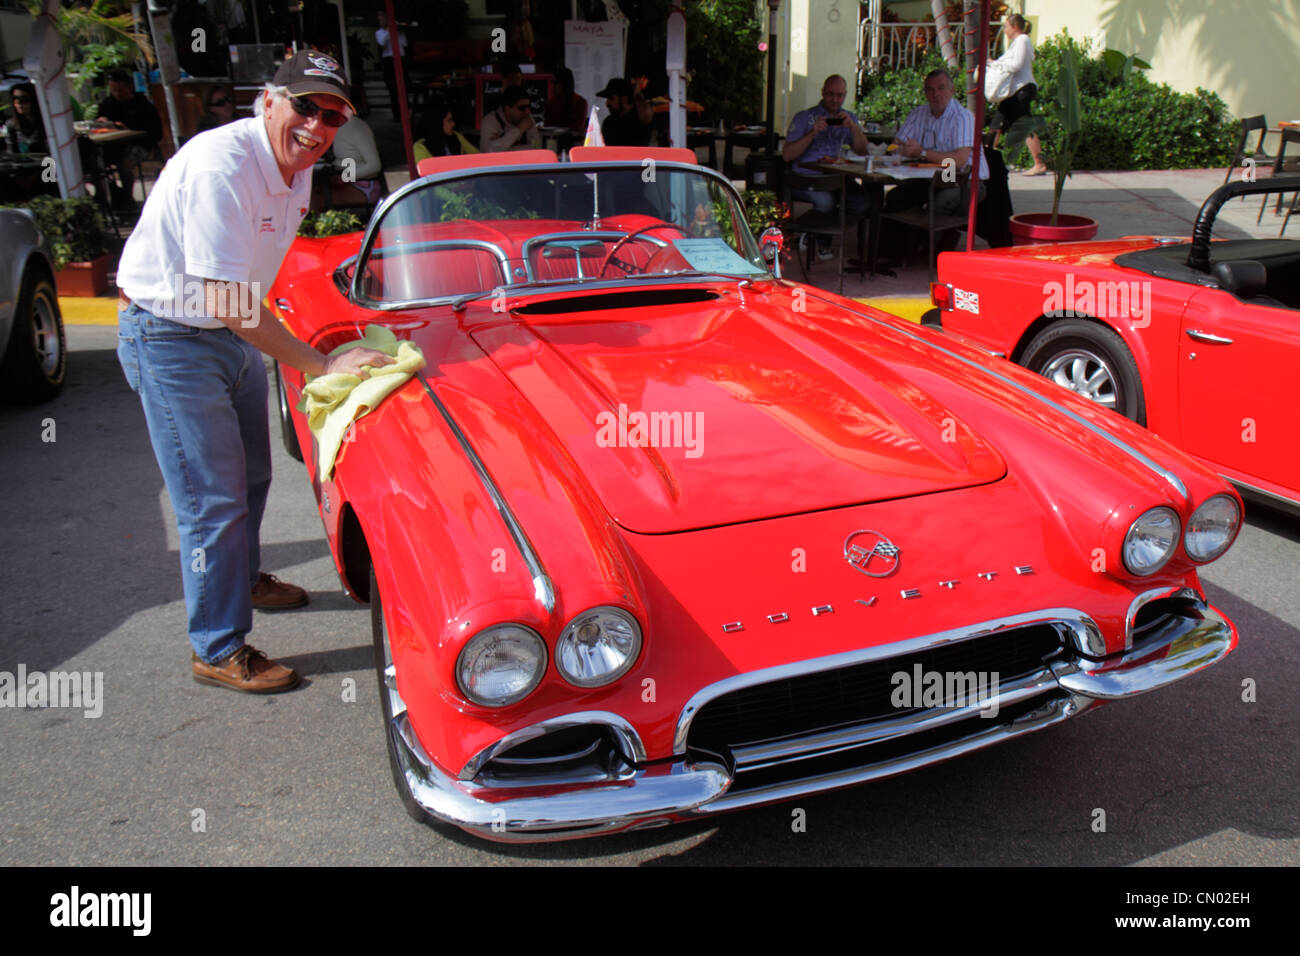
point(1115, 440)
point(1182, 646)
point(1050, 616)
point(768, 754)
point(626, 738)
point(1052, 712)
point(1272, 498)
point(543, 589)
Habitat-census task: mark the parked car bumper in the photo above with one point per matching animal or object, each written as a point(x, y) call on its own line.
point(698, 785)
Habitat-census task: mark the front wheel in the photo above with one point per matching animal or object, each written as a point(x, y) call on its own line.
point(391, 703)
point(1090, 360)
point(36, 358)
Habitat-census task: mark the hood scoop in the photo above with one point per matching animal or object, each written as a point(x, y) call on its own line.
point(618, 299)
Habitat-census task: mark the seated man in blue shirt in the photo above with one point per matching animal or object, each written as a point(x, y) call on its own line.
point(819, 133)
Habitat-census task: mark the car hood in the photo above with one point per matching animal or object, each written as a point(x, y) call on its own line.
point(732, 409)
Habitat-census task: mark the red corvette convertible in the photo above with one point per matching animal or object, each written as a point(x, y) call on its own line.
point(1196, 340)
point(657, 534)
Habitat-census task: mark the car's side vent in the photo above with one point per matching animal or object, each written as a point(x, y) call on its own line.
point(623, 299)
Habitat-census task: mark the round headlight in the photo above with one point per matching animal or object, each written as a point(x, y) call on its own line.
point(501, 665)
point(1150, 541)
point(598, 647)
point(1212, 527)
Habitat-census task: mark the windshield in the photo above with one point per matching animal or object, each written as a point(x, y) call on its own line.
point(559, 225)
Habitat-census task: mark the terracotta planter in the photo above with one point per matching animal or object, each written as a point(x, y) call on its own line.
point(83, 279)
point(1031, 228)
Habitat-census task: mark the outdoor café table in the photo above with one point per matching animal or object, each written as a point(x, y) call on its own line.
point(99, 138)
point(883, 174)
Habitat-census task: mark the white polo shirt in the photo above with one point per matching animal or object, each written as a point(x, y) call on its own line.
point(220, 210)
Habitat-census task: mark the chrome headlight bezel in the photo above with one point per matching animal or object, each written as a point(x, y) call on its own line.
point(1229, 536)
point(514, 638)
point(1143, 527)
point(569, 647)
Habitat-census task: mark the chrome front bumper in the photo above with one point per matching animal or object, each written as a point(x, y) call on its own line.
point(654, 795)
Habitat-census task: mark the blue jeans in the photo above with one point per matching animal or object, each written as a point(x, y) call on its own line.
point(204, 396)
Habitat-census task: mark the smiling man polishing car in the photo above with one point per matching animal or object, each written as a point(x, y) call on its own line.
point(190, 339)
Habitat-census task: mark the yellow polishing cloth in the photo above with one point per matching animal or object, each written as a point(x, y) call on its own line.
point(333, 402)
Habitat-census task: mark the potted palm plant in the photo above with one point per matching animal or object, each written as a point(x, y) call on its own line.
point(1035, 227)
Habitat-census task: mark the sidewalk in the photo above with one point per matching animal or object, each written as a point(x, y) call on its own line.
point(1156, 202)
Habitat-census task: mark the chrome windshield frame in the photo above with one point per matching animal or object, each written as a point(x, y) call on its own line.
point(357, 297)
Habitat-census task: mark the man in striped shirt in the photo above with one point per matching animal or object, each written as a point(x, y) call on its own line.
point(942, 129)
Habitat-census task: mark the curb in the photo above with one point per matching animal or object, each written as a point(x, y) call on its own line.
point(910, 308)
point(78, 310)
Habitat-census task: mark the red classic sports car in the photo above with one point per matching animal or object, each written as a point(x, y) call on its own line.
point(1196, 340)
point(656, 534)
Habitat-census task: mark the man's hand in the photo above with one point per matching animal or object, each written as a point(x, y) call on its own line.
point(230, 302)
point(352, 361)
point(527, 123)
point(909, 148)
point(819, 126)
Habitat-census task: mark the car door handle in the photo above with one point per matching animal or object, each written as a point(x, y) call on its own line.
point(283, 305)
point(1208, 337)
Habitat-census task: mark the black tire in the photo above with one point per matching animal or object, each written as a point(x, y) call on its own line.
point(1091, 360)
point(379, 637)
point(287, 433)
point(36, 358)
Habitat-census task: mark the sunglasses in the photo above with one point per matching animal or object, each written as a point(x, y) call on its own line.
point(307, 108)
point(221, 102)
point(22, 99)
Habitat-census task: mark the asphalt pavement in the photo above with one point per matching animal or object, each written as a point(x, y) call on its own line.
point(173, 772)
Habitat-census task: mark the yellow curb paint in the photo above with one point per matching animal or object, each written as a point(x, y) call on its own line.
point(88, 311)
point(909, 308)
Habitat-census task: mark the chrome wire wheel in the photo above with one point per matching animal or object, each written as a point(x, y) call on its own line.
point(1084, 373)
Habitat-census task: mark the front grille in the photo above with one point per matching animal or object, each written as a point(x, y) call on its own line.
point(858, 693)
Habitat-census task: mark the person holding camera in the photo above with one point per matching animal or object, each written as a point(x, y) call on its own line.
point(819, 133)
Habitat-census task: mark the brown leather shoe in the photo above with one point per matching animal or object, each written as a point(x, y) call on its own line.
point(272, 594)
point(248, 670)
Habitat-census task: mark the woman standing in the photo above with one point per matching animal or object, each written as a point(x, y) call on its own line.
point(1018, 63)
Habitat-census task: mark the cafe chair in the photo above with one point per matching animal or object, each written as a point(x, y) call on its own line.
point(1248, 125)
point(814, 223)
point(935, 224)
point(1283, 167)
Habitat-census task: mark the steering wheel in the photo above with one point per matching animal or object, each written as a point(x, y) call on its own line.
point(609, 256)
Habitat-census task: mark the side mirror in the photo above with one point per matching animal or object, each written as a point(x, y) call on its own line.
point(770, 243)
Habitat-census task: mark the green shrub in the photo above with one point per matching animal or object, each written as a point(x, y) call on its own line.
point(72, 227)
point(329, 222)
point(1129, 122)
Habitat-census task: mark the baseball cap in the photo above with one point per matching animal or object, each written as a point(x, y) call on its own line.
point(311, 72)
point(617, 87)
